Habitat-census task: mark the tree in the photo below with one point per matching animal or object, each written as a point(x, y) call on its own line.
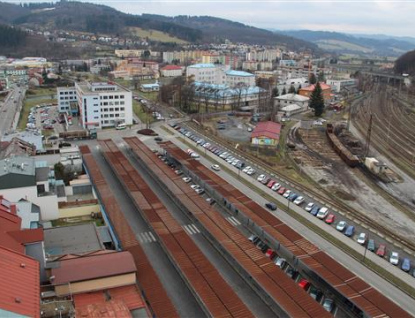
point(284, 91)
point(291, 90)
point(275, 92)
point(312, 79)
point(317, 101)
point(321, 77)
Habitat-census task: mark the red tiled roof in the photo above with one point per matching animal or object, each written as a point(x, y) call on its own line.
point(109, 309)
point(267, 129)
point(19, 283)
point(93, 267)
point(311, 88)
point(171, 68)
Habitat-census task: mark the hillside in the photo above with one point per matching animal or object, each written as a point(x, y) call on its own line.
point(217, 30)
point(344, 43)
point(406, 64)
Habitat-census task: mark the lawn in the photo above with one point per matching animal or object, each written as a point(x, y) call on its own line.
point(41, 92)
point(139, 111)
point(27, 104)
point(155, 35)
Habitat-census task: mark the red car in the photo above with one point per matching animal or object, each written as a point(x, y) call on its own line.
point(270, 253)
point(271, 183)
point(304, 284)
point(282, 190)
point(329, 219)
point(381, 250)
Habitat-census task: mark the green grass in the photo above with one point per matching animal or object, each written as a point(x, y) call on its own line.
point(155, 35)
point(150, 95)
point(41, 92)
point(27, 104)
point(139, 111)
point(339, 244)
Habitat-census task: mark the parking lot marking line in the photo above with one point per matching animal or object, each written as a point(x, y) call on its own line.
point(151, 234)
point(236, 220)
point(196, 229)
point(231, 221)
point(187, 230)
point(148, 237)
point(139, 238)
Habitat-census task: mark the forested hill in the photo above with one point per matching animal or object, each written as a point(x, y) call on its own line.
point(217, 30)
point(406, 64)
point(11, 37)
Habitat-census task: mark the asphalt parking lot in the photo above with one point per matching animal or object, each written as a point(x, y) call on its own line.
point(235, 129)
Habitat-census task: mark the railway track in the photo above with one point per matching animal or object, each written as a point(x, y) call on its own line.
point(323, 196)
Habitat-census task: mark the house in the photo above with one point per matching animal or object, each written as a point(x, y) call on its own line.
point(290, 110)
point(266, 134)
point(339, 84)
point(326, 91)
point(171, 71)
point(289, 99)
point(155, 87)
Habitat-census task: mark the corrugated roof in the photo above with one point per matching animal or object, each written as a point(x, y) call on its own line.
point(268, 129)
point(20, 283)
point(206, 65)
point(93, 267)
point(112, 308)
point(239, 73)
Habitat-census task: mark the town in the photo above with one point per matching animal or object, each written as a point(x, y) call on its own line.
point(203, 179)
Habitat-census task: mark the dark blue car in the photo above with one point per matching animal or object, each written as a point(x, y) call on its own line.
point(293, 196)
point(406, 265)
point(349, 231)
point(315, 210)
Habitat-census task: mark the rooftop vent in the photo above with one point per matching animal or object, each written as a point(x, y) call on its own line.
point(22, 265)
point(18, 300)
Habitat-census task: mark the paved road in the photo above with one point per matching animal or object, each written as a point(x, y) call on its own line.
point(178, 292)
point(389, 290)
point(10, 108)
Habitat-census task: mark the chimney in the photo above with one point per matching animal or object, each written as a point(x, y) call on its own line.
point(13, 209)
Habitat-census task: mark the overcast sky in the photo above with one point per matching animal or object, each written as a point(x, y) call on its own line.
point(351, 16)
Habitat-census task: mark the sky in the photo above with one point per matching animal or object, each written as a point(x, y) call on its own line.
point(350, 16)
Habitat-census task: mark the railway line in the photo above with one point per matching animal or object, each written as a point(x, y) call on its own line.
point(149, 282)
point(358, 296)
point(213, 293)
point(278, 290)
point(322, 195)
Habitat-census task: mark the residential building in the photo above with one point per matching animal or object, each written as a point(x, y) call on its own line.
point(154, 87)
point(266, 134)
point(31, 142)
point(326, 91)
point(103, 104)
point(66, 97)
point(290, 99)
point(234, 78)
point(171, 71)
point(290, 110)
point(287, 63)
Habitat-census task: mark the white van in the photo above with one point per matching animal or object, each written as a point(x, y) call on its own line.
point(121, 126)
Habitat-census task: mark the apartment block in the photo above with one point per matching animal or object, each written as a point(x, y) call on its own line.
point(66, 96)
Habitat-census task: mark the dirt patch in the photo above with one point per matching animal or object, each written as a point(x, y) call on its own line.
point(342, 194)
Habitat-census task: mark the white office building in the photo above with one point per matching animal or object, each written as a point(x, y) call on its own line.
point(103, 104)
point(66, 95)
point(219, 75)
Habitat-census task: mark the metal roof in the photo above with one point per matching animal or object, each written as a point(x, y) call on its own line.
point(20, 285)
point(239, 73)
point(27, 136)
point(206, 65)
point(17, 165)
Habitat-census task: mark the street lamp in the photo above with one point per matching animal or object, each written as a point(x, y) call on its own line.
point(364, 254)
point(288, 205)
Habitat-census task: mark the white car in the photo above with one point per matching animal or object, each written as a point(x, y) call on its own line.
point(194, 155)
point(394, 258)
point(223, 156)
point(206, 145)
point(261, 177)
point(299, 200)
point(199, 191)
point(215, 167)
point(195, 186)
point(230, 159)
point(341, 226)
point(251, 171)
point(275, 187)
point(246, 169)
point(187, 179)
point(287, 194)
point(235, 162)
point(361, 239)
point(322, 213)
point(309, 206)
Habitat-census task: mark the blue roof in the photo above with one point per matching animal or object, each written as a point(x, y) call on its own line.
point(150, 85)
point(220, 91)
point(207, 65)
point(239, 73)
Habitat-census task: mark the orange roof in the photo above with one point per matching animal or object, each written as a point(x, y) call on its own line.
point(311, 88)
point(20, 283)
point(109, 309)
point(171, 68)
point(267, 129)
point(93, 266)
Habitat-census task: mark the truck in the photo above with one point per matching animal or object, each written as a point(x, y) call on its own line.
point(78, 134)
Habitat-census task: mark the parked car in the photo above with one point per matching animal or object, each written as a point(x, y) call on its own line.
point(261, 177)
point(158, 139)
point(275, 187)
point(299, 200)
point(371, 245)
point(187, 179)
point(253, 238)
point(309, 206)
point(315, 210)
point(271, 183)
point(328, 304)
point(246, 169)
point(211, 201)
point(406, 265)
point(341, 226)
point(251, 171)
point(291, 272)
point(200, 191)
point(361, 239)
point(286, 194)
point(281, 190)
point(349, 231)
point(330, 218)
point(322, 213)
point(178, 172)
point(315, 293)
point(381, 250)
point(394, 258)
point(271, 206)
point(292, 196)
point(304, 284)
point(270, 253)
point(266, 180)
point(195, 186)
point(280, 262)
point(215, 167)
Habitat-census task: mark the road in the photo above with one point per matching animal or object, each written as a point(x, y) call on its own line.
point(10, 109)
point(389, 290)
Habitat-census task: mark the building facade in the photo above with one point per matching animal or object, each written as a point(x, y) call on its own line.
point(66, 95)
point(219, 75)
point(103, 104)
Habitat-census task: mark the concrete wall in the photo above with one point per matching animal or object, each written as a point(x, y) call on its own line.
point(79, 211)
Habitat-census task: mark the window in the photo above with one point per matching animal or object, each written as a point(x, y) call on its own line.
point(111, 109)
point(121, 103)
point(121, 96)
point(122, 108)
point(105, 97)
point(95, 111)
